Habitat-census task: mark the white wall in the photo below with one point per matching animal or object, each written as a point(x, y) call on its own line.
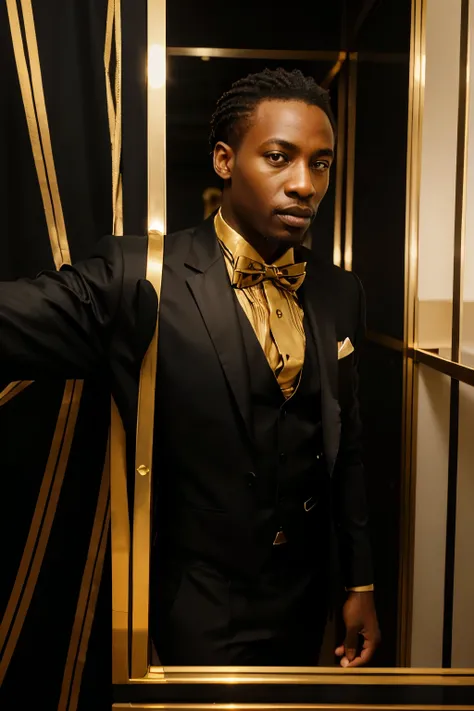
point(469, 234)
point(430, 517)
point(463, 617)
point(439, 140)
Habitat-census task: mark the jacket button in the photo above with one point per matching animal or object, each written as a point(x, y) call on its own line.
point(251, 476)
point(282, 457)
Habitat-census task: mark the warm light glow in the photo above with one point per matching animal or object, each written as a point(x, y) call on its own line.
point(156, 225)
point(337, 256)
point(420, 69)
point(156, 66)
point(348, 258)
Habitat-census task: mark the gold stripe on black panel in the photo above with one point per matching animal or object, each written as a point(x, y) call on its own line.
point(113, 33)
point(41, 525)
point(31, 120)
point(62, 246)
point(89, 617)
point(12, 390)
point(74, 665)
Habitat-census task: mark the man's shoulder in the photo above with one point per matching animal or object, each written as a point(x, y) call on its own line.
point(335, 277)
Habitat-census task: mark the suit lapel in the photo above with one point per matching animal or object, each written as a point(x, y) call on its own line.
point(321, 320)
point(210, 287)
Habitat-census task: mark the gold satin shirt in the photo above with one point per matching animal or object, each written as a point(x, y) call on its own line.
point(275, 314)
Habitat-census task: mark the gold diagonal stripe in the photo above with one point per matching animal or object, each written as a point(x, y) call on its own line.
point(30, 114)
point(57, 463)
point(83, 601)
point(117, 140)
point(89, 619)
point(109, 26)
point(37, 519)
point(12, 390)
point(32, 45)
point(113, 32)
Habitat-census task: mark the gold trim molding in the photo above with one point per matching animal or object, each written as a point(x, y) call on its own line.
point(288, 707)
point(230, 53)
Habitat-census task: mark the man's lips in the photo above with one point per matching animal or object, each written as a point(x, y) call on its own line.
point(296, 216)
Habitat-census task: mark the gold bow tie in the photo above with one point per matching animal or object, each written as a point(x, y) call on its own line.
point(248, 272)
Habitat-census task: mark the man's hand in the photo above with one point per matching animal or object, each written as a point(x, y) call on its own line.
point(360, 618)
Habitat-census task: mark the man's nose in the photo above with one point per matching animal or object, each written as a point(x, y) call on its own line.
point(300, 182)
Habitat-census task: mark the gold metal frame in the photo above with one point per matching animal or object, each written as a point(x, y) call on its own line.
point(340, 163)
point(287, 707)
point(131, 618)
point(416, 100)
point(230, 53)
point(350, 166)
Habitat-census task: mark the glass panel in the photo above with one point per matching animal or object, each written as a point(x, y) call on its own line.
point(215, 24)
point(430, 517)
point(379, 243)
point(463, 618)
point(438, 177)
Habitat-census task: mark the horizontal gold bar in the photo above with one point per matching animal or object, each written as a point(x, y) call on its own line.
point(307, 675)
point(458, 371)
point(229, 53)
point(288, 707)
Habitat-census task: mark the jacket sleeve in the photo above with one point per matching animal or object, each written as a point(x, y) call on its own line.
point(60, 324)
point(350, 503)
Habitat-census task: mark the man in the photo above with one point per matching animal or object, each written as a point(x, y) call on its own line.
point(257, 431)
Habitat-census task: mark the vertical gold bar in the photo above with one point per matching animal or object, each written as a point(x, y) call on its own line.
point(120, 537)
point(340, 163)
point(408, 478)
point(157, 115)
point(146, 401)
point(351, 138)
point(461, 181)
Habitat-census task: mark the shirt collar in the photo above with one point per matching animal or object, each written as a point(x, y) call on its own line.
point(235, 245)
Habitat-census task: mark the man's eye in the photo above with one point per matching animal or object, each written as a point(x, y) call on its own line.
point(276, 158)
point(321, 166)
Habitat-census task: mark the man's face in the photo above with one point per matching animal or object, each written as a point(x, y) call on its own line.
point(279, 173)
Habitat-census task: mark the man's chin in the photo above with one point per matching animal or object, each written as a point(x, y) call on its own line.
point(289, 237)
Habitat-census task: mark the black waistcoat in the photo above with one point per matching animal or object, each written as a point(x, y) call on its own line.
point(290, 478)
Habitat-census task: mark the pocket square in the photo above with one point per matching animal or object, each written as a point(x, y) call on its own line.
point(344, 348)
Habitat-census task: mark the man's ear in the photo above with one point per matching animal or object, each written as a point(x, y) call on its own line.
point(224, 159)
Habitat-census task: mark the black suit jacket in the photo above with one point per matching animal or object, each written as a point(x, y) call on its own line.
point(99, 316)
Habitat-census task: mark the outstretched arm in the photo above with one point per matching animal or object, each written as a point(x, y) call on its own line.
point(60, 324)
